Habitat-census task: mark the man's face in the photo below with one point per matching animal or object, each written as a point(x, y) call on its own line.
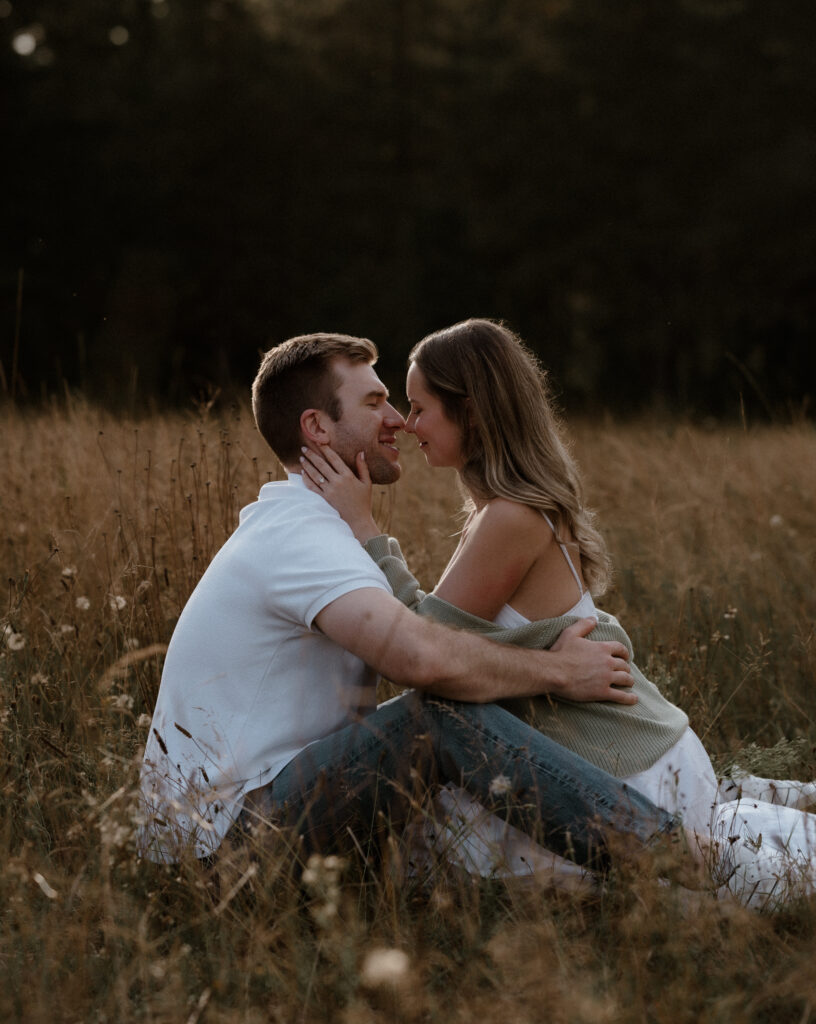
point(367, 422)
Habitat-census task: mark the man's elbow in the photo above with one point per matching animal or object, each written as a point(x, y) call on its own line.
point(430, 659)
point(421, 670)
point(436, 671)
point(425, 666)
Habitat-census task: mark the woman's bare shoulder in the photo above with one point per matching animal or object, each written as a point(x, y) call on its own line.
point(513, 523)
point(503, 542)
point(514, 514)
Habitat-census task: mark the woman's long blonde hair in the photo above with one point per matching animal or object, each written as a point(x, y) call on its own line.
point(495, 390)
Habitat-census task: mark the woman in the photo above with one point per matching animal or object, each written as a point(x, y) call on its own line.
point(528, 562)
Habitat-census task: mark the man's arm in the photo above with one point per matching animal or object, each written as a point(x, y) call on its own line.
point(451, 663)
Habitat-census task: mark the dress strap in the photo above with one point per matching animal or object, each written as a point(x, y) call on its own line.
point(566, 555)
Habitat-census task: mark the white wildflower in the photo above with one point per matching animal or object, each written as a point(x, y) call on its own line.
point(131, 643)
point(730, 614)
point(322, 878)
point(385, 967)
point(116, 602)
point(122, 702)
point(83, 604)
point(323, 870)
point(66, 628)
point(500, 785)
point(143, 721)
point(114, 833)
point(15, 641)
point(38, 679)
point(776, 520)
point(69, 571)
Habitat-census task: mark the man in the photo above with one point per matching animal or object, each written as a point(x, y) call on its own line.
point(266, 709)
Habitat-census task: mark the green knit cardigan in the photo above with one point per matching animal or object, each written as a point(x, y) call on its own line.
point(620, 738)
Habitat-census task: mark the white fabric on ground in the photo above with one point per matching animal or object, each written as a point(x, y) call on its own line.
point(771, 846)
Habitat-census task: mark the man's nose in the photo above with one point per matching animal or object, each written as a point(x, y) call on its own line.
point(393, 418)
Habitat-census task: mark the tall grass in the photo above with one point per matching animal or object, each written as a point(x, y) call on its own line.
point(106, 525)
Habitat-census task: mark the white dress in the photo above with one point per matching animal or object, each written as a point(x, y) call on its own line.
point(765, 842)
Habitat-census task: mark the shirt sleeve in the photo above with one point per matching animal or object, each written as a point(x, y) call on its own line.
point(313, 561)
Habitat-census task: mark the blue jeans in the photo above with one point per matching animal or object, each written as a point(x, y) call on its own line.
point(345, 780)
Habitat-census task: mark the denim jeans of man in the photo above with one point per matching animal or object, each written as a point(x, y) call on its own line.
point(367, 774)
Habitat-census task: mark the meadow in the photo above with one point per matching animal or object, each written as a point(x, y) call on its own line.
point(107, 522)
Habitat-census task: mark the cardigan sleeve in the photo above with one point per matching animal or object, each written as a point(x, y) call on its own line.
point(386, 553)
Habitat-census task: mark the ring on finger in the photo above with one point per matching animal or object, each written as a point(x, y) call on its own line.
point(322, 479)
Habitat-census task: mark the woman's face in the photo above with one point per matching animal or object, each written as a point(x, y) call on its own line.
point(438, 436)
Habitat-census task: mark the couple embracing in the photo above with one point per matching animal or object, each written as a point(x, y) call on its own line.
point(266, 716)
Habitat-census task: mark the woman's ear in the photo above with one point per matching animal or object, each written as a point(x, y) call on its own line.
point(312, 427)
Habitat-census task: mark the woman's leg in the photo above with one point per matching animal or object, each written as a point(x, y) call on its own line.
point(783, 792)
point(773, 850)
point(767, 851)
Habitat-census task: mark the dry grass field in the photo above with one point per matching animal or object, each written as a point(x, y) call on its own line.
point(106, 525)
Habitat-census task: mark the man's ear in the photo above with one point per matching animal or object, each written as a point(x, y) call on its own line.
point(313, 427)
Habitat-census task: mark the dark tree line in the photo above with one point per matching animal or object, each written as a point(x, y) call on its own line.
point(629, 184)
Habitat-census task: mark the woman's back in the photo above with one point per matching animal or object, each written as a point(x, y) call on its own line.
point(509, 555)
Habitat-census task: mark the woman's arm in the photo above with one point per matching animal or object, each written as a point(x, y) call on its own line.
point(386, 553)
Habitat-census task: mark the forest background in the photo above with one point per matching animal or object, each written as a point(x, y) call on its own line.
point(629, 184)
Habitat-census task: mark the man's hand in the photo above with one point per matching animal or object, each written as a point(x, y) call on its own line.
point(593, 670)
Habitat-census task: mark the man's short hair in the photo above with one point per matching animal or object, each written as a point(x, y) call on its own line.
point(298, 375)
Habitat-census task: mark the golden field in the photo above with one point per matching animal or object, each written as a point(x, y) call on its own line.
point(107, 524)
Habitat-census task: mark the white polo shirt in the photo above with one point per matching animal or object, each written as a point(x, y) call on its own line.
point(247, 681)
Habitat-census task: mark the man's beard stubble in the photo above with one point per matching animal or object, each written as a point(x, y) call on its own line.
point(380, 468)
